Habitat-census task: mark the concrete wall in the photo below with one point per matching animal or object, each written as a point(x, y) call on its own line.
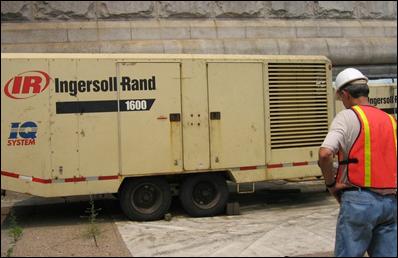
point(349, 33)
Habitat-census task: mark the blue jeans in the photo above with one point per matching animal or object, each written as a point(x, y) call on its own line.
point(367, 222)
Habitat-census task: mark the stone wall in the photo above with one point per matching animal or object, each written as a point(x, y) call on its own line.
point(349, 33)
point(19, 11)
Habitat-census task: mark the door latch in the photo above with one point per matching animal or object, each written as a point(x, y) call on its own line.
point(215, 116)
point(175, 117)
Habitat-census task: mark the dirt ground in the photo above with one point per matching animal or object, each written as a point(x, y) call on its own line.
point(61, 230)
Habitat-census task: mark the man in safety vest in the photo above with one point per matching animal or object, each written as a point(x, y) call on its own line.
point(365, 183)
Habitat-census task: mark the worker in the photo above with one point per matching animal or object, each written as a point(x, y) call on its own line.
point(364, 183)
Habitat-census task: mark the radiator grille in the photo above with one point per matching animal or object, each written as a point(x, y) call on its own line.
point(298, 104)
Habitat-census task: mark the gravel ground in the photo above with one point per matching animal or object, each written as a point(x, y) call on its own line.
point(61, 230)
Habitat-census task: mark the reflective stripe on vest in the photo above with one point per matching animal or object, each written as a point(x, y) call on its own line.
point(394, 125)
point(372, 160)
point(367, 152)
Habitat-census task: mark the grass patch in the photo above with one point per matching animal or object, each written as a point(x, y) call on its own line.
point(14, 231)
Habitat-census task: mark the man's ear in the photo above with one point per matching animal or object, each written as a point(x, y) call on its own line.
point(346, 94)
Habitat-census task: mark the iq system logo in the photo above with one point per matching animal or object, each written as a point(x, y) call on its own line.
point(22, 134)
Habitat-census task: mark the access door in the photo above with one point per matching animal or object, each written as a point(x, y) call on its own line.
point(236, 106)
point(150, 118)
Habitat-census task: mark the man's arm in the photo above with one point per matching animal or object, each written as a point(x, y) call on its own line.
point(326, 165)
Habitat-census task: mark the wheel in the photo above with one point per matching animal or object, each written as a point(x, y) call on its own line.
point(204, 195)
point(145, 199)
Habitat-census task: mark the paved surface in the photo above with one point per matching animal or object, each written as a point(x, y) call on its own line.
point(279, 221)
point(272, 223)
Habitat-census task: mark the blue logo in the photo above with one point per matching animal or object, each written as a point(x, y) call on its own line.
point(22, 133)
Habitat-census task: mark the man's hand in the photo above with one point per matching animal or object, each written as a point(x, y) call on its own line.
point(336, 191)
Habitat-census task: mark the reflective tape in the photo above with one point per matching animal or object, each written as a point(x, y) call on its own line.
point(58, 181)
point(394, 125)
point(367, 147)
point(292, 164)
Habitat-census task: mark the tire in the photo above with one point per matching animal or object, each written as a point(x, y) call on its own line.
point(145, 199)
point(204, 195)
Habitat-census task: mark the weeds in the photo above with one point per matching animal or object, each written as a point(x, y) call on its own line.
point(93, 229)
point(15, 232)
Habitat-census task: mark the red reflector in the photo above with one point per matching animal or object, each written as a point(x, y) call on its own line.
point(300, 163)
point(43, 181)
point(274, 165)
point(108, 177)
point(4, 173)
point(248, 168)
point(75, 179)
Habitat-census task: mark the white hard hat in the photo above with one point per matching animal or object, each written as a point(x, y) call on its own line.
point(348, 75)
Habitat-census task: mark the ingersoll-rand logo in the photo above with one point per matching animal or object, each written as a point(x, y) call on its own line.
point(27, 84)
point(31, 83)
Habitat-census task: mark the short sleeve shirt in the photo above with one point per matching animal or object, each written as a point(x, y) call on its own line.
point(342, 134)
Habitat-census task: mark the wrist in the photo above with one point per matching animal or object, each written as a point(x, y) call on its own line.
point(331, 184)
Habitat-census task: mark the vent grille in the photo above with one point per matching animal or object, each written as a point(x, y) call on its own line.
point(298, 104)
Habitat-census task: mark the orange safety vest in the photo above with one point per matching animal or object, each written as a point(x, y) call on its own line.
point(372, 160)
